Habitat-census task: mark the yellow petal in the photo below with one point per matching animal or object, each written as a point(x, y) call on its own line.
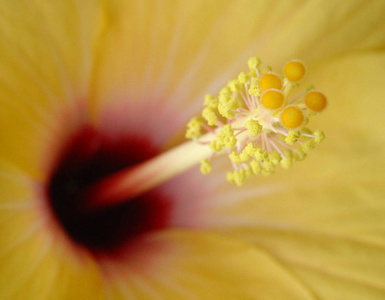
point(48, 48)
point(47, 58)
point(207, 266)
point(40, 270)
point(171, 53)
point(333, 266)
point(317, 30)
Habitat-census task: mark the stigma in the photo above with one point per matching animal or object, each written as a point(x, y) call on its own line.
point(257, 122)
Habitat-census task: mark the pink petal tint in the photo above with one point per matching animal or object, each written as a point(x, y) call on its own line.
point(92, 153)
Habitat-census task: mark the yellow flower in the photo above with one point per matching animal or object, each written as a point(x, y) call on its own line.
point(88, 87)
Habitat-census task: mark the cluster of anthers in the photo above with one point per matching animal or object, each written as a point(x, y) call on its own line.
point(257, 123)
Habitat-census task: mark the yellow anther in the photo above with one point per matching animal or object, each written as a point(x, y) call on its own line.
point(234, 157)
point(270, 81)
point(225, 91)
point(292, 137)
point(287, 160)
point(275, 157)
point(227, 106)
point(253, 63)
point(243, 78)
point(227, 137)
point(255, 89)
point(299, 155)
point(239, 177)
point(248, 172)
point(316, 101)
point(255, 167)
point(225, 97)
point(254, 127)
point(234, 85)
point(216, 146)
point(292, 117)
point(226, 111)
point(307, 146)
point(272, 99)
point(209, 115)
point(260, 155)
point(294, 70)
point(230, 177)
point(247, 152)
point(229, 141)
point(266, 69)
point(206, 167)
point(211, 101)
point(244, 157)
point(268, 166)
point(227, 129)
point(319, 136)
point(193, 128)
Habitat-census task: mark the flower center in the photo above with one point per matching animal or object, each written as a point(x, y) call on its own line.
point(86, 159)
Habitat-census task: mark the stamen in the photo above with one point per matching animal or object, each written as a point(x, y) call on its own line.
point(194, 128)
point(316, 101)
point(206, 167)
point(260, 113)
point(294, 70)
point(270, 81)
point(273, 99)
point(252, 119)
point(292, 117)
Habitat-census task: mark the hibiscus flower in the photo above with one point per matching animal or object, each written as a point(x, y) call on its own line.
point(89, 88)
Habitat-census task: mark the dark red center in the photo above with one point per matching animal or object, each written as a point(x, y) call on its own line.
point(87, 158)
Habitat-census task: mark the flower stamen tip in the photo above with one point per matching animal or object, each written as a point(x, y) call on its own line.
point(316, 101)
point(270, 81)
point(258, 123)
point(294, 70)
point(292, 117)
point(206, 167)
point(273, 99)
